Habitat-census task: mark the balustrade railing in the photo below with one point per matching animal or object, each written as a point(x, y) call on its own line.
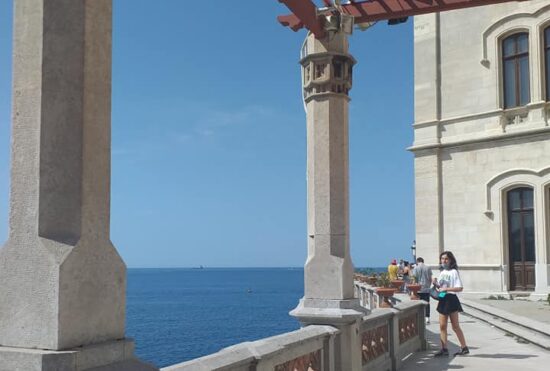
point(409, 330)
point(390, 335)
point(368, 297)
point(376, 341)
point(386, 337)
point(308, 349)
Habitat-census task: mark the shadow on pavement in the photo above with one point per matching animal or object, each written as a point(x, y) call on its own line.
point(426, 360)
point(500, 355)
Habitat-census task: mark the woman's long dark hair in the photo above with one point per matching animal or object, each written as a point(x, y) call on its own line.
point(452, 259)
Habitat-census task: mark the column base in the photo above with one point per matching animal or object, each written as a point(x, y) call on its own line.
point(115, 355)
point(345, 315)
point(328, 312)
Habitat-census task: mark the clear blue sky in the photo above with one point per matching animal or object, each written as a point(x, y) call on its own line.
point(209, 156)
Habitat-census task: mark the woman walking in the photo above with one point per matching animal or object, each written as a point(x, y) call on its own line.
point(448, 284)
point(406, 275)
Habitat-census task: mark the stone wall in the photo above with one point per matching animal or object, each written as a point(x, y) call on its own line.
point(469, 150)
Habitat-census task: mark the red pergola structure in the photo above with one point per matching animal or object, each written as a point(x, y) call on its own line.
point(306, 14)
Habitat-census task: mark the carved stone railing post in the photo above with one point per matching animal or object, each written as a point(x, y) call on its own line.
point(62, 291)
point(409, 331)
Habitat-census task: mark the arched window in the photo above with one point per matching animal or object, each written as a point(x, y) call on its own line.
point(547, 60)
point(515, 63)
point(521, 239)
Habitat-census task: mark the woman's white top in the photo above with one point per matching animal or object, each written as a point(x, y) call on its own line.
point(449, 279)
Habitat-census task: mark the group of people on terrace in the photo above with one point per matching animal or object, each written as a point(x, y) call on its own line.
point(443, 289)
point(401, 271)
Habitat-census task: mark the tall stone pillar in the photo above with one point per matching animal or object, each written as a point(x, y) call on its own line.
point(329, 290)
point(62, 283)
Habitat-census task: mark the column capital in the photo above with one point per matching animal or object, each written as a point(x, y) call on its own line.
point(327, 67)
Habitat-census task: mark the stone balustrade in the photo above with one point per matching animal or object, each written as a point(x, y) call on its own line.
point(367, 295)
point(309, 348)
point(368, 298)
point(405, 324)
point(387, 336)
point(376, 341)
point(409, 330)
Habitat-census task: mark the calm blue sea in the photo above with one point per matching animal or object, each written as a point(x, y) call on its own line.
point(176, 315)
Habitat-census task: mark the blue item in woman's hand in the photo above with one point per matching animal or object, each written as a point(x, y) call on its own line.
point(434, 293)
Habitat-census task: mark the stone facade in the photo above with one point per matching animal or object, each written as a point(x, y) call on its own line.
point(470, 151)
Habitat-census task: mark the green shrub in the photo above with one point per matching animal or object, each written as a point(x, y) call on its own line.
point(383, 280)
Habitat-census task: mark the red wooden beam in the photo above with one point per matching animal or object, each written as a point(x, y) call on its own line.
point(304, 15)
point(373, 10)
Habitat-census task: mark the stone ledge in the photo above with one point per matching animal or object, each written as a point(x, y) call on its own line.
point(112, 355)
point(534, 132)
point(244, 355)
point(128, 365)
point(405, 303)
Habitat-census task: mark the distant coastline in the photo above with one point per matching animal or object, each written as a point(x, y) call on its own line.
point(216, 268)
point(377, 269)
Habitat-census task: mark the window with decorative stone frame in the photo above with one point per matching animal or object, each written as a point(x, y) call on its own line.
point(515, 70)
point(533, 22)
point(518, 206)
point(535, 112)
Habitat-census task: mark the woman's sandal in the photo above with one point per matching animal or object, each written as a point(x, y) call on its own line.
point(463, 352)
point(442, 352)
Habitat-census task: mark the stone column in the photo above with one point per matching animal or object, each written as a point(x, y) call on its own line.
point(62, 281)
point(329, 289)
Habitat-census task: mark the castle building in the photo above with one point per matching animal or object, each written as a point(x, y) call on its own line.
point(482, 144)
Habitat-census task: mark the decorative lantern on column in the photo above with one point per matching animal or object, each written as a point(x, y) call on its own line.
point(326, 73)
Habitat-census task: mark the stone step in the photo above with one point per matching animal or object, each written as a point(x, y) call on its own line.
point(520, 294)
point(527, 329)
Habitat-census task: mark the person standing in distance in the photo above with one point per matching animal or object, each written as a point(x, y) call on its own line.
point(406, 275)
point(423, 276)
point(448, 285)
point(392, 270)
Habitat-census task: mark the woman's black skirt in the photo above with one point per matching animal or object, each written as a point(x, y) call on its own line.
point(449, 304)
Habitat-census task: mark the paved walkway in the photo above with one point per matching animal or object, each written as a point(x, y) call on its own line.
point(490, 349)
point(535, 310)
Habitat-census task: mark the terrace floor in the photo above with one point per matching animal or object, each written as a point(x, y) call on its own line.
point(490, 349)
